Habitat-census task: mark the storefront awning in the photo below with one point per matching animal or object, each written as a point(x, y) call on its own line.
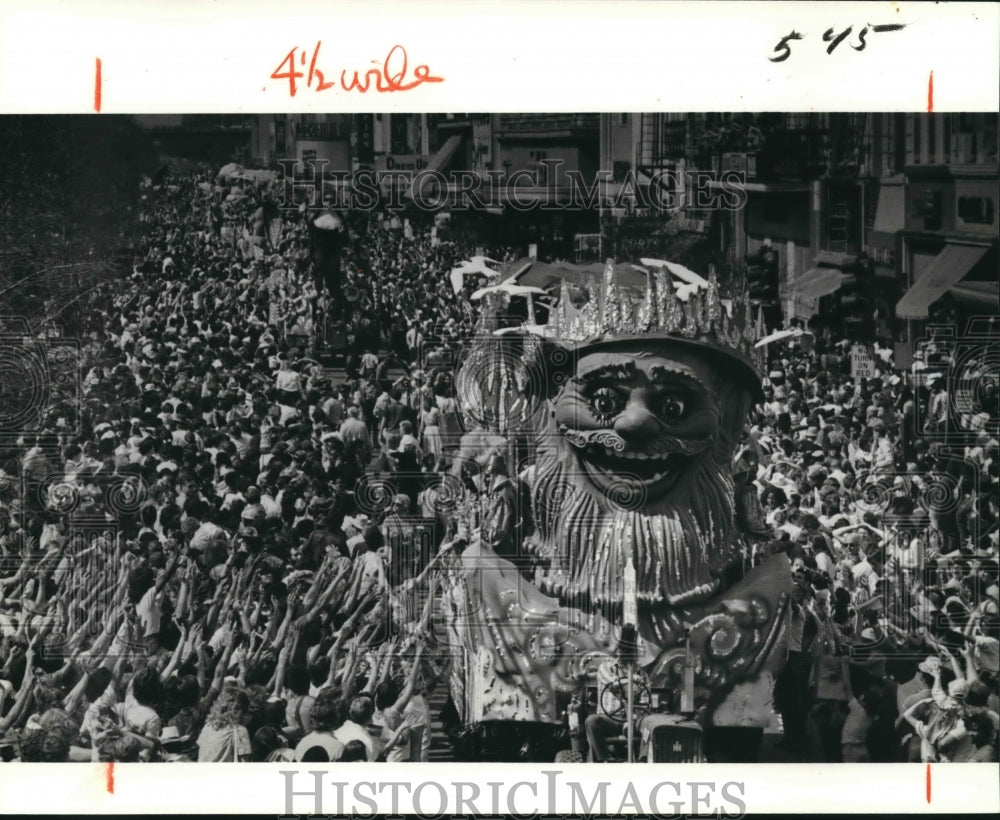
point(982, 296)
point(438, 163)
point(817, 282)
point(445, 153)
point(890, 217)
point(948, 268)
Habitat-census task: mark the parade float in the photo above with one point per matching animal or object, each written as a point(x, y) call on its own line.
point(621, 416)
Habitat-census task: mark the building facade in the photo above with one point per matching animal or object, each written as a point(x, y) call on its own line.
point(905, 203)
point(878, 196)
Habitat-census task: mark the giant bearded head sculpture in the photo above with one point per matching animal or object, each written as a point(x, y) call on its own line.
point(640, 392)
point(636, 455)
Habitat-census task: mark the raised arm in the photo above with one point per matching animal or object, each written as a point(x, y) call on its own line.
point(24, 694)
point(411, 680)
point(175, 659)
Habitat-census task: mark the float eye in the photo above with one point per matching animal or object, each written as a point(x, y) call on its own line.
point(606, 402)
point(672, 408)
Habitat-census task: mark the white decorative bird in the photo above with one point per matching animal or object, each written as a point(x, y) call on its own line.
point(477, 264)
point(781, 335)
point(686, 275)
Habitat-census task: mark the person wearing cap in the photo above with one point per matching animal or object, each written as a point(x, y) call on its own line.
point(354, 525)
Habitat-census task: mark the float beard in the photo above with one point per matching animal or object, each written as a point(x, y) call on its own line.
point(680, 543)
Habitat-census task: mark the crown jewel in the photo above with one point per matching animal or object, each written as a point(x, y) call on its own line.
point(690, 309)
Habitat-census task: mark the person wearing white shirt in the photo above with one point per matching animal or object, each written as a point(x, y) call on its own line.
point(289, 384)
point(865, 576)
point(361, 711)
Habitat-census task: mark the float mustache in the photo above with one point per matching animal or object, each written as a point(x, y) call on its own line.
point(660, 447)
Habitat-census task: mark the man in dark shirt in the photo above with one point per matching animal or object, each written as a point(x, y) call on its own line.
point(395, 412)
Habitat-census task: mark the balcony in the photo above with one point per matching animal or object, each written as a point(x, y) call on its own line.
point(512, 126)
point(793, 156)
point(674, 139)
point(322, 130)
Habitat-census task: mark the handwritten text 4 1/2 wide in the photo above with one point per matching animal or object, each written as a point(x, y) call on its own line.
point(390, 76)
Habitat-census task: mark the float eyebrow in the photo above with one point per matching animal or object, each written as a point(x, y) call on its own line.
point(607, 373)
point(666, 375)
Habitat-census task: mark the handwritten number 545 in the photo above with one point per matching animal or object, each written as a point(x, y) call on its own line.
point(783, 50)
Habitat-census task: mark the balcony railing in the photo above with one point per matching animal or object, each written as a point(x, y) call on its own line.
point(322, 130)
point(542, 123)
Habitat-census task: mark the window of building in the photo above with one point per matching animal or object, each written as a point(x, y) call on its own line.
point(976, 210)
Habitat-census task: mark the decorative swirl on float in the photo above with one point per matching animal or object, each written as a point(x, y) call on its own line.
point(724, 637)
point(626, 494)
point(600, 438)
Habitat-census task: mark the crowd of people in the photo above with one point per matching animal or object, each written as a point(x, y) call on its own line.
point(892, 532)
point(213, 557)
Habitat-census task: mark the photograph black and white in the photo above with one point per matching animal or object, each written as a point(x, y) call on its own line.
point(662, 437)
